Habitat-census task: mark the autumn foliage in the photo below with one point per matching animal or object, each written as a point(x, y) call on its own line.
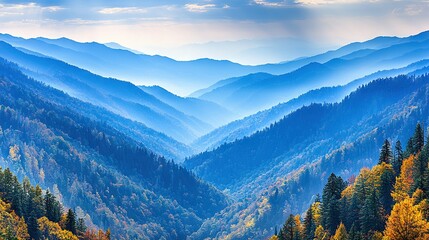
point(388, 202)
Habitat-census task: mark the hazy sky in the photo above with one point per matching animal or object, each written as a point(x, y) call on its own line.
point(247, 31)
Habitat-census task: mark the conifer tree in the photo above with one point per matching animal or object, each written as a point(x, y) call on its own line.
point(385, 153)
point(398, 158)
point(371, 215)
point(418, 139)
point(70, 223)
point(288, 230)
point(410, 148)
point(33, 226)
point(387, 183)
point(309, 224)
point(330, 203)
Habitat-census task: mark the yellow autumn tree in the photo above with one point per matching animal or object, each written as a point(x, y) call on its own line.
point(406, 222)
point(321, 234)
point(404, 181)
point(340, 233)
point(52, 230)
point(274, 237)
point(11, 226)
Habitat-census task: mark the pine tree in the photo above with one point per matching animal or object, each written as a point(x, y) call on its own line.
point(371, 215)
point(80, 227)
point(418, 139)
point(33, 226)
point(410, 148)
point(398, 158)
point(330, 203)
point(70, 223)
point(354, 234)
point(385, 153)
point(419, 167)
point(309, 224)
point(387, 182)
point(288, 230)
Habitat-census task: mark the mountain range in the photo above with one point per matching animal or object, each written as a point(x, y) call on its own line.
point(99, 125)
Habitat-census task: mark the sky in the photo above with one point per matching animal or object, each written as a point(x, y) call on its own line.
point(244, 31)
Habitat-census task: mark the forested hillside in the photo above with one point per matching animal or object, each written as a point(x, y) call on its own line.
point(389, 201)
point(341, 138)
point(108, 177)
point(28, 213)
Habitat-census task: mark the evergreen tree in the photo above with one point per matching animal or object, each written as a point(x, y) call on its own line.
point(288, 230)
point(371, 215)
point(33, 226)
point(385, 153)
point(410, 148)
point(309, 225)
point(354, 234)
point(398, 158)
point(330, 203)
point(387, 183)
point(419, 168)
point(70, 223)
point(418, 139)
point(80, 227)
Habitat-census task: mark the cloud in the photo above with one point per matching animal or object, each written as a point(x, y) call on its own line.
point(122, 10)
point(271, 3)
point(27, 9)
point(199, 8)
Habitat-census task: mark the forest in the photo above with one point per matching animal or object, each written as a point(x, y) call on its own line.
point(28, 212)
point(93, 167)
point(389, 201)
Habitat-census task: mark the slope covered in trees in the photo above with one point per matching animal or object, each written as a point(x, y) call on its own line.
point(343, 138)
point(106, 176)
point(384, 202)
point(28, 213)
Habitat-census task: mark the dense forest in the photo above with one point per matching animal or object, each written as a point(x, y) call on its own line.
point(346, 138)
point(107, 177)
point(389, 201)
point(27, 212)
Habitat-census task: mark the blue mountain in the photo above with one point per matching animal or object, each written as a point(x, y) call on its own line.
point(117, 96)
point(256, 122)
point(252, 93)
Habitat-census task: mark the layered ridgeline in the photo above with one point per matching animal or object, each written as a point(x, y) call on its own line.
point(113, 180)
point(277, 171)
point(121, 97)
point(249, 94)
point(390, 201)
point(249, 125)
point(28, 213)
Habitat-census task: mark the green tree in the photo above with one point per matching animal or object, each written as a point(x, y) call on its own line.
point(330, 203)
point(398, 158)
point(387, 183)
point(385, 153)
point(372, 215)
point(309, 224)
point(288, 230)
point(33, 226)
point(418, 139)
point(70, 223)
